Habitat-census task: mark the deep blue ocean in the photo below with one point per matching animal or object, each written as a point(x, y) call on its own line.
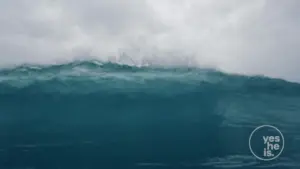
point(93, 115)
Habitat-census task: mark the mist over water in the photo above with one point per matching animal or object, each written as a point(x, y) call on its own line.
point(245, 37)
point(89, 114)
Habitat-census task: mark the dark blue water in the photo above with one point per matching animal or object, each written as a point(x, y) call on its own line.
point(89, 115)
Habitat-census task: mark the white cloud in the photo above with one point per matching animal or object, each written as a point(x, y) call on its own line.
point(255, 37)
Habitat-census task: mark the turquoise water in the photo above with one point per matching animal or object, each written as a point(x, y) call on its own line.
point(93, 115)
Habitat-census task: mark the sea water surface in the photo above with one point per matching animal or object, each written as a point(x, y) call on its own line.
point(93, 115)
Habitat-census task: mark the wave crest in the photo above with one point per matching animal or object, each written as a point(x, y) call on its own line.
point(93, 76)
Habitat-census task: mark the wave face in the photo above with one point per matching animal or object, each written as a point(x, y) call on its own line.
point(88, 115)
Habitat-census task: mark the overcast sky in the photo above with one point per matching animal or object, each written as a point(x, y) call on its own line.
point(241, 36)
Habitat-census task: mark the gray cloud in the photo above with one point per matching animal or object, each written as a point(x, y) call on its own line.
point(252, 37)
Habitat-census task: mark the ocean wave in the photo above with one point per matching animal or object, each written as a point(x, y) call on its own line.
point(119, 116)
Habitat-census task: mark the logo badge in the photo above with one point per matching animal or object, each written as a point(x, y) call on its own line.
point(266, 142)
